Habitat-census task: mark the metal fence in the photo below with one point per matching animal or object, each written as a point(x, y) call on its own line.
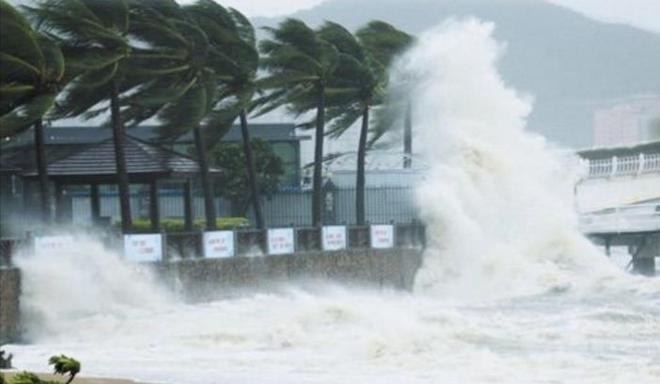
point(287, 208)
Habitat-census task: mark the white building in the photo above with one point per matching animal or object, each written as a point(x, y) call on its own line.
point(626, 122)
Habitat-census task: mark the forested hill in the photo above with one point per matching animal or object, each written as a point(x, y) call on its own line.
point(570, 63)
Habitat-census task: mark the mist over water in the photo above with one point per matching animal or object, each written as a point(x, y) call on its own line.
point(86, 280)
point(510, 292)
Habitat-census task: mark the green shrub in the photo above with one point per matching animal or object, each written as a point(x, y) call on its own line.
point(26, 378)
point(62, 365)
point(178, 225)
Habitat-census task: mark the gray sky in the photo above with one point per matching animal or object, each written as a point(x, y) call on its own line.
point(643, 14)
point(640, 13)
point(267, 7)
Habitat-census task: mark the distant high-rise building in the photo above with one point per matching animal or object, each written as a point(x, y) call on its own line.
point(629, 121)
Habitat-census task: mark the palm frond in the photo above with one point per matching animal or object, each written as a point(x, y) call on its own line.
point(383, 41)
point(342, 39)
point(54, 63)
point(186, 113)
point(19, 46)
point(25, 114)
point(14, 68)
point(344, 120)
point(243, 27)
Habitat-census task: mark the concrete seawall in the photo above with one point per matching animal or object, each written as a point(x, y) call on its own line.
point(204, 278)
point(10, 291)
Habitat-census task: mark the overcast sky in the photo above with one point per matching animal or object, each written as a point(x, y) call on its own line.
point(643, 14)
point(640, 13)
point(268, 7)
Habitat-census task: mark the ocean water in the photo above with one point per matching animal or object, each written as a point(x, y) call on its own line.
point(510, 291)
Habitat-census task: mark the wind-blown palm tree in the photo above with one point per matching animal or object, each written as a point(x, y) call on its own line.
point(216, 88)
point(31, 77)
point(299, 64)
point(231, 35)
point(385, 42)
point(95, 38)
point(360, 80)
point(64, 365)
point(182, 100)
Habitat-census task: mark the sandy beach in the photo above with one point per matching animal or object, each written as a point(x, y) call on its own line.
point(78, 380)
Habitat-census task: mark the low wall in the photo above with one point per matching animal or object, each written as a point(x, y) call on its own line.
point(10, 288)
point(200, 279)
point(204, 278)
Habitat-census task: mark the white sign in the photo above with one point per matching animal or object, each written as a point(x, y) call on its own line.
point(44, 245)
point(382, 236)
point(218, 244)
point(280, 241)
point(143, 247)
point(334, 237)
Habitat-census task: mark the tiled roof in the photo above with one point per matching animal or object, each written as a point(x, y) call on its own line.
point(99, 160)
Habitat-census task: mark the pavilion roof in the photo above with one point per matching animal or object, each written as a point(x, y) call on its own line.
point(96, 162)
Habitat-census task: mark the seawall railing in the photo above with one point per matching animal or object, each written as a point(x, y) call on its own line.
point(624, 165)
point(164, 246)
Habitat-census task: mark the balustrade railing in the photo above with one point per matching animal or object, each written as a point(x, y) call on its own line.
point(652, 162)
point(600, 168)
point(624, 165)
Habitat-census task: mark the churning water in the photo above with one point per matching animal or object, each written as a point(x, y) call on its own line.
point(510, 292)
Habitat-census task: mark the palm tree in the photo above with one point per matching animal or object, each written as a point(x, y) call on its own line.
point(182, 100)
point(385, 42)
point(95, 38)
point(32, 75)
point(216, 88)
point(361, 78)
point(360, 82)
point(299, 64)
point(232, 36)
point(64, 365)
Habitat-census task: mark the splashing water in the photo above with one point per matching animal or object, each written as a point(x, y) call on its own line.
point(498, 199)
point(80, 281)
point(509, 292)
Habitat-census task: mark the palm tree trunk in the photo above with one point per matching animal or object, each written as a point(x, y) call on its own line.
point(209, 204)
point(361, 156)
point(42, 169)
point(119, 139)
point(407, 137)
point(317, 184)
point(251, 170)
